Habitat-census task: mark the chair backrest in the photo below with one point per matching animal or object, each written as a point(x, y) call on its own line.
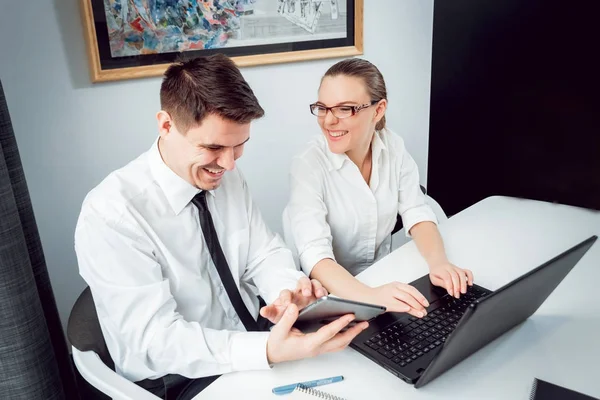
point(83, 329)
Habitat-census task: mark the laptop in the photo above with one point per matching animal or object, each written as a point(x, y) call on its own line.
point(418, 350)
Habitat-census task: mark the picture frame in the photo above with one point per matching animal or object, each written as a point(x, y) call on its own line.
point(129, 39)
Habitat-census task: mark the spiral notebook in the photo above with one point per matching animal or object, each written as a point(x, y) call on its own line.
point(306, 393)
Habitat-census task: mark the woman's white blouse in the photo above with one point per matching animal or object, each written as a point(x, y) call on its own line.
point(333, 213)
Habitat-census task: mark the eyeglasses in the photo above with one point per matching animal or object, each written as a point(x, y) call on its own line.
point(320, 110)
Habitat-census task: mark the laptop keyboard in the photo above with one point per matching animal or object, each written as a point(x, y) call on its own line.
point(404, 342)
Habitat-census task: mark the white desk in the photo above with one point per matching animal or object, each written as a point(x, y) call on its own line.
point(498, 239)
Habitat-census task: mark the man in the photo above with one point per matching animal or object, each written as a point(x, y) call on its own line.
point(174, 250)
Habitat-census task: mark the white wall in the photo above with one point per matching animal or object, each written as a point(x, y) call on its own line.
point(72, 133)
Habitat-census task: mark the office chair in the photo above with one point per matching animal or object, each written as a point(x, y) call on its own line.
point(91, 356)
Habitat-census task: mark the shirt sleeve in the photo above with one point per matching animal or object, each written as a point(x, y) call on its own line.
point(412, 205)
point(135, 306)
point(304, 218)
point(270, 263)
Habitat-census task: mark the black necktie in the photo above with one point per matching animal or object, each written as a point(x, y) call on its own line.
point(216, 253)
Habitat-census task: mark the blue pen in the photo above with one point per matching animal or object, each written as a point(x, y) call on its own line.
point(318, 382)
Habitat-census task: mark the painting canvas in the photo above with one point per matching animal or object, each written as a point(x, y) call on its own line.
point(134, 38)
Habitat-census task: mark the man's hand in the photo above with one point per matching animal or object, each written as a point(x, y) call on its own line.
point(451, 278)
point(399, 297)
point(286, 343)
point(305, 293)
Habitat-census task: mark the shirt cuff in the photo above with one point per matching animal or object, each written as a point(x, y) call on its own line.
point(311, 256)
point(249, 351)
point(288, 281)
point(415, 215)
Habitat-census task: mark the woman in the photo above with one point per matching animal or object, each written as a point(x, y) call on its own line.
point(347, 188)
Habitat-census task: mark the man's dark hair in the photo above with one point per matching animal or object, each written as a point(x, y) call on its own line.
point(191, 90)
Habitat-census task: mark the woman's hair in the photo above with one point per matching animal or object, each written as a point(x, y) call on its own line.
point(371, 76)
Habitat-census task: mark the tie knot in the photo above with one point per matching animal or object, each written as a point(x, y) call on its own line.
point(199, 201)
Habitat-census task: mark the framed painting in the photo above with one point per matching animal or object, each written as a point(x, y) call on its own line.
point(140, 38)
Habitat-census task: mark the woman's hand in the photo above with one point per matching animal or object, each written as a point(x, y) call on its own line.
point(451, 278)
point(399, 297)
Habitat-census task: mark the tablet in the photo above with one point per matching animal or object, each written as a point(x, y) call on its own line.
point(329, 308)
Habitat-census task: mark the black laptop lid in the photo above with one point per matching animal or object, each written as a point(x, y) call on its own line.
point(491, 316)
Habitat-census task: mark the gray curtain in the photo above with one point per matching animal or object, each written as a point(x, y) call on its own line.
point(34, 360)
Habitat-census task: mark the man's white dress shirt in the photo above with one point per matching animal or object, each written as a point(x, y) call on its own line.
point(333, 213)
point(160, 301)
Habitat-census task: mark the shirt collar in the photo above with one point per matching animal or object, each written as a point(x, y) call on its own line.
point(337, 160)
point(177, 190)
point(377, 147)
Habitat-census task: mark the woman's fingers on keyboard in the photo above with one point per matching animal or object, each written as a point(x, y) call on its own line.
point(469, 276)
point(445, 281)
point(416, 313)
point(414, 293)
point(407, 298)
